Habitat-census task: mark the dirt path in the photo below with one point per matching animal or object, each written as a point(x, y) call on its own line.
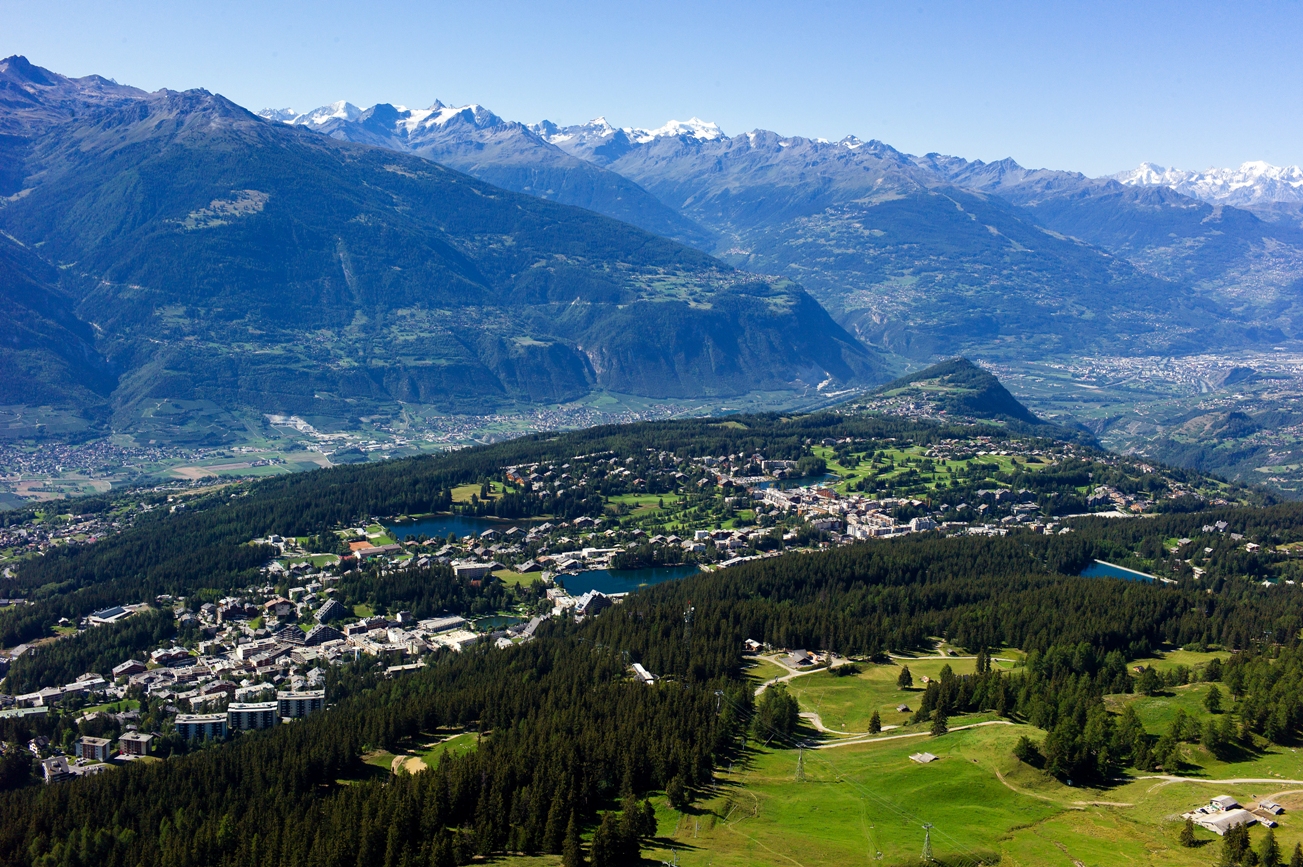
point(836, 662)
point(873, 740)
point(1011, 787)
point(1239, 781)
point(817, 721)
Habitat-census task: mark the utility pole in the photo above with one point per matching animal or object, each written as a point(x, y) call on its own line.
point(800, 765)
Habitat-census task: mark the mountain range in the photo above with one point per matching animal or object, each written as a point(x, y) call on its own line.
point(1271, 192)
point(927, 256)
point(344, 262)
point(193, 251)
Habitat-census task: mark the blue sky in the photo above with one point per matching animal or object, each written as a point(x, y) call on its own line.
point(1095, 87)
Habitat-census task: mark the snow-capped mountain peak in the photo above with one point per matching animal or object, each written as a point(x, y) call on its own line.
point(1254, 183)
point(340, 110)
point(695, 128)
point(281, 115)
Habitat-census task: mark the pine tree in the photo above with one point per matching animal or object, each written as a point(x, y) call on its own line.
point(677, 793)
point(905, 680)
point(1269, 850)
point(875, 723)
point(1187, 834)
point(554, 832)
point(939, 721)
point(572, 852)
point(1235, 847)
point(1213, 700)
point(604, 850)
point(630, 829)
point(648, 826)
point(1296, 860)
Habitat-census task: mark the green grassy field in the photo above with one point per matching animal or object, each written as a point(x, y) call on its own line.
point(865, 803)
point(456, 745)
point(640, 505)
point(846, 703)
point(862, 800)
point(524, 579)
point(894, 463)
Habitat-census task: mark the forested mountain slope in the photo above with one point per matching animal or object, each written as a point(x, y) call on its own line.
point(956, 389)
point(47, 354)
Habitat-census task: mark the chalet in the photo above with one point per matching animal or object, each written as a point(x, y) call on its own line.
point(278, 607)
point(800, 658)
point(923, 758)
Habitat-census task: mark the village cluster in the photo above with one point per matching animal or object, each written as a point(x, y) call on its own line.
point(261, 658)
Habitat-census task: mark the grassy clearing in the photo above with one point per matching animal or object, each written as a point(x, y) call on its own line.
point(763, 670)
point(861, 800)
point(522, 579)
point(456, 745)
point(644, 504)
point(1172, 658)
point(463, 493)
point(846, 703)
point(114, 706)
point(379, 759)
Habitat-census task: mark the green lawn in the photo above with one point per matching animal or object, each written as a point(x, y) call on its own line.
point(763, 670)
point(462, 493)
point(524, 579)
point(114, 706)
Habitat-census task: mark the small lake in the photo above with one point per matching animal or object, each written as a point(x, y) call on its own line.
point(610, 581)
point(439, 526)
point(1100, 569)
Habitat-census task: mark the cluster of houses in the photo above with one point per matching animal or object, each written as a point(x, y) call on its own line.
point(1223, 813)
point(853, 516)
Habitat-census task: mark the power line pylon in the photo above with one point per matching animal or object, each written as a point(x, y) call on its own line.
point(927, 842)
